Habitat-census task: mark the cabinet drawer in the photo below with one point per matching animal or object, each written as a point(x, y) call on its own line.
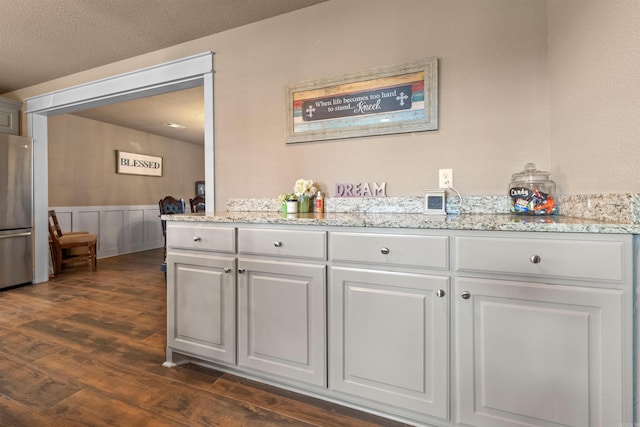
point(570, 259)
point(285, 243)
point(390, 249)
point(201, 237)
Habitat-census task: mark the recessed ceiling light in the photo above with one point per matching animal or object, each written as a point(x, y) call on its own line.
point(174, 125)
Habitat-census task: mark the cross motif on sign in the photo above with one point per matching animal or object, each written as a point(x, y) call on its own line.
point(401, 98)
point(310, 110)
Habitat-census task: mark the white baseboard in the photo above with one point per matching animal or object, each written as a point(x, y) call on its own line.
point(120, 229)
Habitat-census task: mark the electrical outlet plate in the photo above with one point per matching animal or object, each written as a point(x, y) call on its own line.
point(445, 178)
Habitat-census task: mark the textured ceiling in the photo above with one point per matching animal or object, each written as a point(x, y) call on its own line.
point(41, 40)
point(185, 107)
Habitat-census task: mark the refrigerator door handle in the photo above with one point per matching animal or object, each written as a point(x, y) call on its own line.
point(6, 236)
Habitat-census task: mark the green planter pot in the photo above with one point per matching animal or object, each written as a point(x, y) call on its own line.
point(304, 204)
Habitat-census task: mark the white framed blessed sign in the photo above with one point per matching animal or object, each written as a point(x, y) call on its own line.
point(385, 100)
point(138, 164)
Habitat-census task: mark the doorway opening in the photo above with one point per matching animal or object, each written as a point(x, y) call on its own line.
point(172, 76)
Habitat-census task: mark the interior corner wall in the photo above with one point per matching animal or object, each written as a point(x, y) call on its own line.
point(82, 165)
point(594, 63)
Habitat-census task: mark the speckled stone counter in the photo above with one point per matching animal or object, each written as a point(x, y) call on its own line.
point(596, 213)
point(486, 222)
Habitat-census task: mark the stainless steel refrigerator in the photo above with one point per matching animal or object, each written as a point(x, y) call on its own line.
point(16, 241)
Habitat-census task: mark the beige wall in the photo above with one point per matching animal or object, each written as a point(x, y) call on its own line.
point(82, 168)
point(594, 67)
point(512, 79)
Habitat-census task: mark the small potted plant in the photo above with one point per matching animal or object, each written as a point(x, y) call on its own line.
point(288, 202)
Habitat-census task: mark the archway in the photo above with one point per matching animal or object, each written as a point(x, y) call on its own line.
point(181, 74)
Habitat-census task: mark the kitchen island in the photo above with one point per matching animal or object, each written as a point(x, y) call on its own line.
point(475, 319)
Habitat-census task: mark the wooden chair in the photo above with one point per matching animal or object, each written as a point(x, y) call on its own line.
point(53, 222)
point(197, 204)
point(168, 206)
point(73, 249)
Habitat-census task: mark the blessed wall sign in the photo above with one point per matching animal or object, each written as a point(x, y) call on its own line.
point(138, 164)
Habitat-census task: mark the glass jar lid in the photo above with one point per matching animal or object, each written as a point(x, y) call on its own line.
point(530, 174)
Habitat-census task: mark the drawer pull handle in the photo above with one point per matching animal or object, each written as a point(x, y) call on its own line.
point(277, 244)
point(465, 295)
point(197, 239)
point(535, 259)
point(227, 270)
point(241, 270)
point(384, 251)
point(440, 293)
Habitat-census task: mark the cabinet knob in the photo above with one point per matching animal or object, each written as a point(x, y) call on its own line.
point(197, 238)
point(465, 295)
point(241, 270)
point(440, 293)
point(384, 251)
point(535, 259)
point(277, 244)
point(227, 270)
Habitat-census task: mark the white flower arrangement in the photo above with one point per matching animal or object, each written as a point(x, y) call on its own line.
point(286, 197)
point(304, 187)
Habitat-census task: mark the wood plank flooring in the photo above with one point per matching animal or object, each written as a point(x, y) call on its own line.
point(86, 349)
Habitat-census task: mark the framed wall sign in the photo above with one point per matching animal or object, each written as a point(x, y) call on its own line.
point(381, 101)
point(199, 188)
point(138, 164)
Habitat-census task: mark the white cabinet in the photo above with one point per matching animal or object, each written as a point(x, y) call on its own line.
point(537, 354)
point(201, 298)
point(389, 338)
point(10, 116)
point(543, 334)
point(432, 327)
point(281, 319)
point(201, 292)
point(389, 330)
point(282, 304)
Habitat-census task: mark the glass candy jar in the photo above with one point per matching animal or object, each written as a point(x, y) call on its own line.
point(531, 192)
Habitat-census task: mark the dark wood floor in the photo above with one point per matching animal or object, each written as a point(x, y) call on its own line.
point(86, 349)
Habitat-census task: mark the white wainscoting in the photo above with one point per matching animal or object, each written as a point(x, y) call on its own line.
point(120, 229)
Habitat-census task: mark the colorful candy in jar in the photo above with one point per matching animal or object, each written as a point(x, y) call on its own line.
point(531, 192)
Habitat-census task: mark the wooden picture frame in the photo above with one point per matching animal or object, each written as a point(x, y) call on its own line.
point(200, 188)
point(385, 100)
point(138, 164)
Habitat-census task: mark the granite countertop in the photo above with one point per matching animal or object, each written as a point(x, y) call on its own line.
point(593, 213)
point(486, 222)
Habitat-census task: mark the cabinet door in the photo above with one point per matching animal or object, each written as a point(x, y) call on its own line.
point(201, 298)
point(281, 319)
point(9, 118)
point(536, 354)
point(389, 338)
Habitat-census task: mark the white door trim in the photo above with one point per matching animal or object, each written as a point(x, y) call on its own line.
point(192, 71)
